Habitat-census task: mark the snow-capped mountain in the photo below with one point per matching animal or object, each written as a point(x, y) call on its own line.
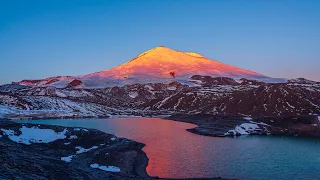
point(158, 65)
point(161, 81)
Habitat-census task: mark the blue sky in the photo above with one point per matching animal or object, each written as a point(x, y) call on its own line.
point(39, 39)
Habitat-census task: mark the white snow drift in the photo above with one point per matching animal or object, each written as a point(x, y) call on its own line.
point(243, 129)
point(34, 135)
point(80, 151)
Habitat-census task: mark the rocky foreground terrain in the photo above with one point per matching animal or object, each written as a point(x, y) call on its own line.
point(53, 152)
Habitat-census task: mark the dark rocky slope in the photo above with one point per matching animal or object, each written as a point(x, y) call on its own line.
point(209, 95)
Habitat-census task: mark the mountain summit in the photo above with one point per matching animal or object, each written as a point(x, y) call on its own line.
point(160, 64)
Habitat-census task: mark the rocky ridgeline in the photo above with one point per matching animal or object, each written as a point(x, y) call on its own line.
point(202, 94)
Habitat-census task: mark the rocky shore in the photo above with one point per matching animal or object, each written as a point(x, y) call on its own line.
point(29, 151)
point(221, 126)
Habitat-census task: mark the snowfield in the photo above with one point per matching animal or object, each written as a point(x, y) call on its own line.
point(47, 106)
point(34, 135)
point(7, 111)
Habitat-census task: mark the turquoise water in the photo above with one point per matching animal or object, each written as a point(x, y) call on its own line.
point(176, 153)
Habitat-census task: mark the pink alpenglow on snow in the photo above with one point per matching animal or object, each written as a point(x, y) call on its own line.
point(162, 62)
point(159, 64)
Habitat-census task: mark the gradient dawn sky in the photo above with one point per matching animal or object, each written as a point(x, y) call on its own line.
point(43, 38)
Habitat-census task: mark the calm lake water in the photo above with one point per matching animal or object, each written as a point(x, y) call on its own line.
point(176, 153)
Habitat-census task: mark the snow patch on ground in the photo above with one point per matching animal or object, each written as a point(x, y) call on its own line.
point(196, 81)
point(265, 107)
point(319, 118)
point(238, 81)
point(113, 139)
point(83, 150)
point(60, 94)
point(133, 94)
point(73, 137)
point(79, 129)
point(47, 106)
point(247, 118)
point(261, 123)
point(80, 151)
point(149, 87)
point(290, 105)
point(27, 107)
point(7, 110)
point(178, 103)
point(243, 129)
point(34, 135)
point(68, 158)
point(172, 88)
point(105, 168)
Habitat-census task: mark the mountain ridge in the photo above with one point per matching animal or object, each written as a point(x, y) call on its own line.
point(162, 54)
point(159, 64)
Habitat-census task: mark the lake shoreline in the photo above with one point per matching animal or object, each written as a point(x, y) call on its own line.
point(169, 130)
point(220, 125)
point(126, 153)
point(124, 149)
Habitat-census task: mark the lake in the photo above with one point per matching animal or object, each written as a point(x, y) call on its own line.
point(174, 152)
